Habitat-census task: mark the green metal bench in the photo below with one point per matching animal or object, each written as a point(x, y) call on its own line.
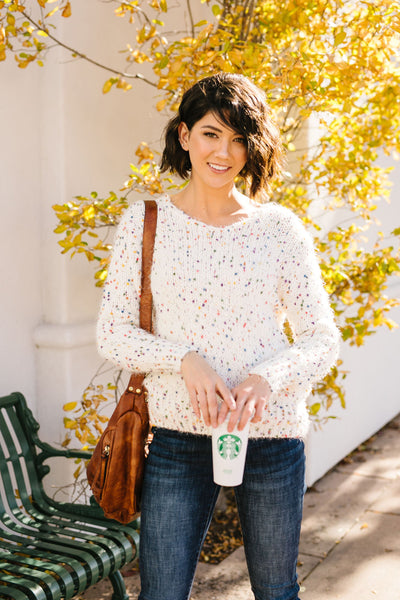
point(50, 550)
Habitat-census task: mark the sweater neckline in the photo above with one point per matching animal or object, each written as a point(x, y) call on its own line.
point(182, 214)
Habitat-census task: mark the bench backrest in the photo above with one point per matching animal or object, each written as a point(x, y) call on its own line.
point(20, 470)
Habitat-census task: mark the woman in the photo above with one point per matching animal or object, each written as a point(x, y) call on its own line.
point(227, 273)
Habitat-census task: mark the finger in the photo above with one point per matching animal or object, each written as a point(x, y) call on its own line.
point(233, 419)
point(258, 415)
point(203, 404)
point(225, 393)
point(223, 412)
point(247, 413)
point(194, 401)
point(212, 402)
point(235, 415)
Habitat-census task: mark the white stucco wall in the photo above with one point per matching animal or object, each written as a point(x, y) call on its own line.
point(372, 385)
point(61, 137)
point(372, 399)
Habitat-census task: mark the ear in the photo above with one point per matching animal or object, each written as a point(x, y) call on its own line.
point(183, 133)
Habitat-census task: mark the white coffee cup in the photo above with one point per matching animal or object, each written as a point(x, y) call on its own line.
point(229, 454)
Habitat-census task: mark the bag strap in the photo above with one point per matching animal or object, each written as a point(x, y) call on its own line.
point(149, 234)
point(146, 298)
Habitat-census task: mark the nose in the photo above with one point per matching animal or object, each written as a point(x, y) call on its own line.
point(223, 148)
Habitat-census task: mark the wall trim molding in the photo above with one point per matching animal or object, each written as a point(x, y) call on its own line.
point(48, 335)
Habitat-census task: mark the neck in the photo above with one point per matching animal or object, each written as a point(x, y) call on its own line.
point(211, 203)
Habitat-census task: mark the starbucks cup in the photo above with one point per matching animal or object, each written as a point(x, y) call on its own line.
point(229, 454)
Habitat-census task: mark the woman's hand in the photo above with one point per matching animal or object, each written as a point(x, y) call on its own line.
point(206, 388)
point(251, 398)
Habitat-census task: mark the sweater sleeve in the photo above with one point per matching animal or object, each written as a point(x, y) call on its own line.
point(119, 337)
point(305, 304)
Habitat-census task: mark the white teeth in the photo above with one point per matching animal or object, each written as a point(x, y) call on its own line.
point(218, 167)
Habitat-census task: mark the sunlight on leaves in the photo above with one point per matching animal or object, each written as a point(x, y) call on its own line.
point(331, 73)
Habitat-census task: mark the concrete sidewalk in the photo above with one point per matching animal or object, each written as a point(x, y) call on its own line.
point(350, 543)
point(350, 546)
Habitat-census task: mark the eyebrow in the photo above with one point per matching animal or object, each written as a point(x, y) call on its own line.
point(220, 130)
point(211, 127)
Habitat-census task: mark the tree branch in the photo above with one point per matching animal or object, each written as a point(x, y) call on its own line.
point(189, 8)
point(87, 58)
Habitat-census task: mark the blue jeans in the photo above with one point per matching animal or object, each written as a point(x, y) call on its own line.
point(178, 500)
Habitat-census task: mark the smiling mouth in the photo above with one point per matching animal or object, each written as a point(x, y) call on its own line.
point(219, 168)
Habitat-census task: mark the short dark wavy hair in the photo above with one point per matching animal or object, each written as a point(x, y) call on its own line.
point(240, 105)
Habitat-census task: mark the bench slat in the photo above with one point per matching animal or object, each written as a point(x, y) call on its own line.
point(50, 583)
point(33, 590)
point(5, 592)
point(50, 550)
point(93, 568)
point(71, 565)
point(61, 574)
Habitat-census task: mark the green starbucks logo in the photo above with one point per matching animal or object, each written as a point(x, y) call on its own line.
point(229, 446)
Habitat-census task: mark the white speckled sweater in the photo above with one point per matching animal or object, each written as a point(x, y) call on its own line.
point(224, 292)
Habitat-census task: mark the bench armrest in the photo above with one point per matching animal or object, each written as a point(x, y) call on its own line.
point(48, 451)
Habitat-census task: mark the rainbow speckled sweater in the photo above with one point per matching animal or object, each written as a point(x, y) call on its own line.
point(224, 292)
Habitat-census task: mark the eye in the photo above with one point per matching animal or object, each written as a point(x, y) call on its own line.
point(241, 140)
point(210, 134)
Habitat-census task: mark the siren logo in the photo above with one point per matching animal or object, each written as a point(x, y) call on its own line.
point(229, 446)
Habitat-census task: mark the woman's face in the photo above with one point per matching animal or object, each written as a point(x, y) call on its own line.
point(217, 153)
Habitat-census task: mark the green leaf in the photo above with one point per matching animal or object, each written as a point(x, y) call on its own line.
point(347, 333)
point(164, 62)
point(315, 408)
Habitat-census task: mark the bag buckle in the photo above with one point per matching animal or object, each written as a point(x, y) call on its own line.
point(106, 451)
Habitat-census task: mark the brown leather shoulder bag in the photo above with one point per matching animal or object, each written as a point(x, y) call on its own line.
point(115, 470)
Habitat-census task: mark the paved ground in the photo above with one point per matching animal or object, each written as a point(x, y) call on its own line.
point(350, 544)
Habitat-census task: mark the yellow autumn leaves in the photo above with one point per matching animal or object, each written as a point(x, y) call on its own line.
point(331, 73)
point(329, 69)
point(18, 27)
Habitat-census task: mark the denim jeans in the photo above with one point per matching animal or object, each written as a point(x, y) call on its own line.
point(178, 500)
